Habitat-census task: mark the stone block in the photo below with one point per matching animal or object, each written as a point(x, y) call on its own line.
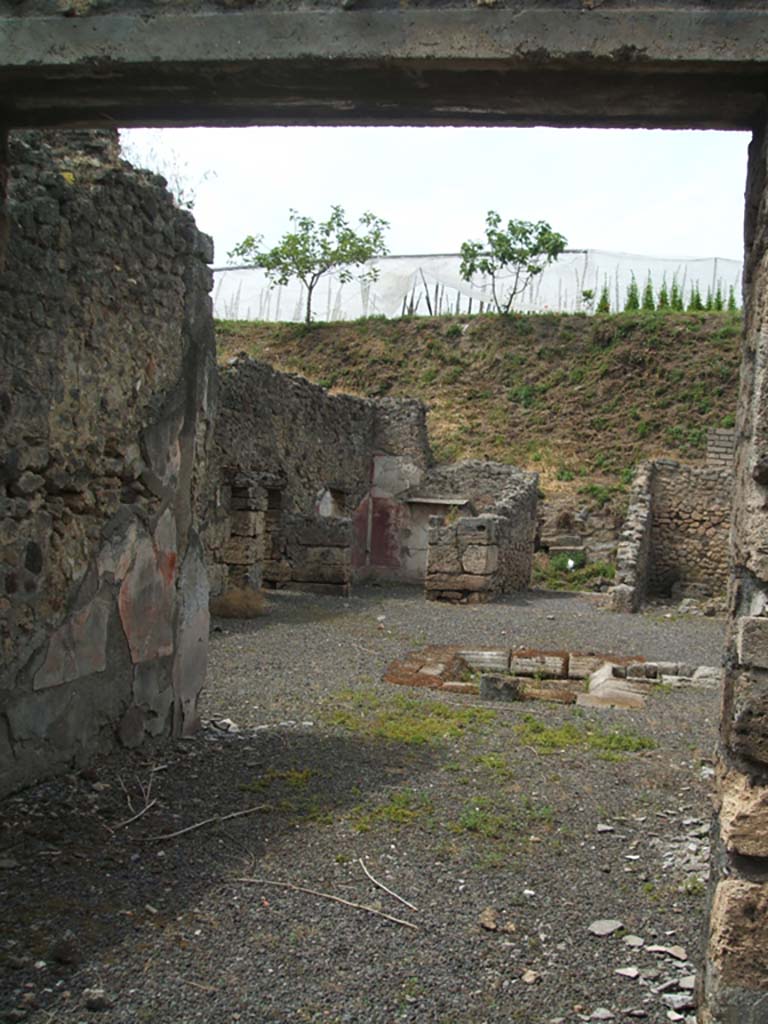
point(480, 559)
point(486, 661)
point(326, 556)
point(494, 687)
point(747, 730)
point(738, 936)
point(549, 690)
point(581, 666)
point(481, 529)
point(541, 664)
point(246, 524)
point(444, 558)
point(752, 641)
point(624, 598)
point(457, 686)
point(241, 551)
point(744, 815)
point(152, 691)
point(447, 581)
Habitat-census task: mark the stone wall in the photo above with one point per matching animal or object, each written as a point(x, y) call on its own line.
point(675, 538)
point(736, 979)
point(106, 391)
point(633, 554)
point(476, 558)
point(294, 465)
point(721, 447)
point(690, 523)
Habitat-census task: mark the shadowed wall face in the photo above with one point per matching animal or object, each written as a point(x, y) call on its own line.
point(106, 364)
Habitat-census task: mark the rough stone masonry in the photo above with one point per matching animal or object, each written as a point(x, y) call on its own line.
point(106, 399)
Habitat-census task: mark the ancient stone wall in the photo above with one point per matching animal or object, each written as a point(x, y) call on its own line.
point(106, 391)
point(476, 558)
point(634, 551)
point(294, 465)
point(736, 979)
point(690, 522)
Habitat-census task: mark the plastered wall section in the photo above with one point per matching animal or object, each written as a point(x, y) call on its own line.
point(106, 398)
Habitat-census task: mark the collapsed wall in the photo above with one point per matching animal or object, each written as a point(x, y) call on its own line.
point(107, 370)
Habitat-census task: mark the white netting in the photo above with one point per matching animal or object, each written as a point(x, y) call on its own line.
point(431, 285)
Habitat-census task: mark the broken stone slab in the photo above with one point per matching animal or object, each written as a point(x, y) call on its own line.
point(457, 686)
point(744, 815)
point(610, 699)
point(708, 677)
point(605, 926)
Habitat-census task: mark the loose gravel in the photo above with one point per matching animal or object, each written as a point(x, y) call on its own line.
point(509, 853)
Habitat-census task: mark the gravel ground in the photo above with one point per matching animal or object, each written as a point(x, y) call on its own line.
point(509, 852)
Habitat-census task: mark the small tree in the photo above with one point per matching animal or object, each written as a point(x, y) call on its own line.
point(604, 302)
point(731, 306)
point(632, 301)
point(717, 302)
point(676, 297)
point(663, 300)
point(314, 248)
point(695, 305)
point(523, 249)
point(648, 301)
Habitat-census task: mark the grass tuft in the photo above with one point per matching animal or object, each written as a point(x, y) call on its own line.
point(610, 745)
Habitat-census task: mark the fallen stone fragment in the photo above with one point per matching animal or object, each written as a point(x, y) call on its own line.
point(605, 828)
point(96, 999)
point(66, 950)
point(605, 926)
point(628, 972)
point(530, 977)
point(601, 1013)
point(634, 941)
point(687, 982)
point(489, 919)
point(676, 952)
point(678, 1000)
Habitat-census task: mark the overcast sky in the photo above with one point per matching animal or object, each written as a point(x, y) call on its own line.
point(676, 194)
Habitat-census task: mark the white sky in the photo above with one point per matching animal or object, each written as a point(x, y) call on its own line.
point(659, 193)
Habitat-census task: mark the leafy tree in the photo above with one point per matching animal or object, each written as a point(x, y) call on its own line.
point(632, 301)
point(522, 250)
point(732, 307)
point(648, 301)
point(717, 302)
point(676, 297)
point(663, 300)
point(313, 248)
point(604, 302)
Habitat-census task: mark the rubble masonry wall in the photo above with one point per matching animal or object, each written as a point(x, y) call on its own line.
point(106, 399)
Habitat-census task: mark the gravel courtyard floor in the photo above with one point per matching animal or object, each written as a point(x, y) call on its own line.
point(510, 828)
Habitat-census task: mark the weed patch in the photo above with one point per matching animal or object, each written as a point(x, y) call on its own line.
point(404, 719)
point(404, 807)
point(609, 745)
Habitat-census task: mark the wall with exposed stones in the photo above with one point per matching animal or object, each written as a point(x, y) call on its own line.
point(106, 393)
point(735, 989)
point(294, 467)
point(690, 523)
point(675, 538)
point(476, 558)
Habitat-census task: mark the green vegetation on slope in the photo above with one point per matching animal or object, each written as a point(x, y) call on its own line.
point(578, 398)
